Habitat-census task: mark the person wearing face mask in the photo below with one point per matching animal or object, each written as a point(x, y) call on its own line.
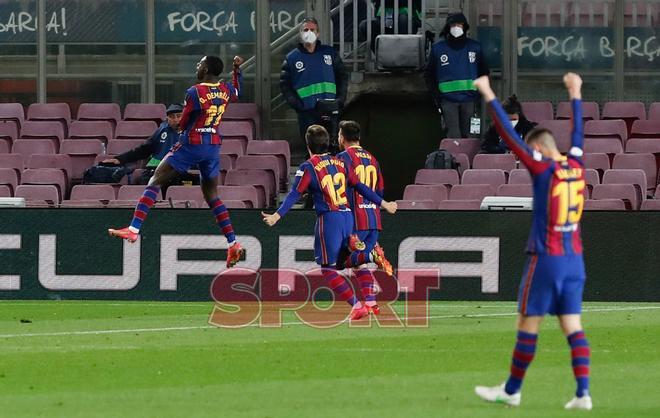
point(311, 75)
point(493, 143)
point(453, 63)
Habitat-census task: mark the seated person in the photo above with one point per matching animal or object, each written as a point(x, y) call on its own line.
point(156, 147)
point(493, 144)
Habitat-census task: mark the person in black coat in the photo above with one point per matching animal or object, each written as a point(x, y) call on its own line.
point(493, 144)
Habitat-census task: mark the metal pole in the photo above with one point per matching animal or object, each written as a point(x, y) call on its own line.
point(356, 21)
point(619, 42)
point(395, 16)
point(151, 52)
point(41, 51)
point(262, 76)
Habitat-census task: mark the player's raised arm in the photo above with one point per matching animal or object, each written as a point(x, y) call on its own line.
point(299, 186)
point(573, 84)
point(365, 191)
point(505, 129)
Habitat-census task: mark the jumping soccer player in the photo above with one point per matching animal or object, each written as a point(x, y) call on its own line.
point(199, 144)
point(326, 178)
point(554, 277)
point(366, 215)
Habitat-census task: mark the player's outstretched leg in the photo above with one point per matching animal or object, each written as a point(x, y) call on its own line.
point(580, 359)
point(342, 288)
point(367, 285)
point(163, 174)
point(235, 251)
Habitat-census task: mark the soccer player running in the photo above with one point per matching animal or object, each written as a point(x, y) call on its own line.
point(199, 144)
point(554, 276)
point(366, 215)
point(326, 178)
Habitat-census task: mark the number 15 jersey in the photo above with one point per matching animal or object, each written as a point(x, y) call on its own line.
point(558, 187)
point(204, 106)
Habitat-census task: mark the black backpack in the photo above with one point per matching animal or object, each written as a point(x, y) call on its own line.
point(105, 174)
point(441, 159)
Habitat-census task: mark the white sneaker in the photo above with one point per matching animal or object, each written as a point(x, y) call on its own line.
point(497, 394)
point(583, 402)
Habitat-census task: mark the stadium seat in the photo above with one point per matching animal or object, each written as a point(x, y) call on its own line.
point(610, 146)
point(434, 192)
point(590, 111)
point(235, 204)
point(61, 161)
point(133, 192)
point(626, 192)
point(191, 193)
point(27, 147)
point(538, 111)
point(459, 205)
point(59, 112)
point(5, 191)
point(139, 129)
point(12, 112)
point(467, 146)
point(101, 130)
point(416, 204)
point(561, 130)
point(441, 176)
point(604, 204)
point(49, 130)
point(246, 194)
point(227, 162)
point(650, 204)
point(46, 176)
point(119, 146)
point(520, 176)
point(506, 162)
point(13, 161)
point(100, 111)
point(232, 148)
point(145, 111)
point(5, 146)
point(9, 178)
point(463, 162)
point(237, 128)
point(8, 132)
point(41, 195)
point(257, 178)
point(645, 129)
point(278, 148)
point(606, 129)
point(654, 111)
point(82, 153)
point(627, 111)
point(645, 162)
point(494, 177)
point(471, 192)
point(93, 192)
point(244, 112)
point(591, 177)
point(628, 176)
point(515, 190)
point(84, 203)
point(264, 162)
point(599, 161)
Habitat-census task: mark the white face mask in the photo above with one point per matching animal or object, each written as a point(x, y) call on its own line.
point(514, 122)
point(308, 37)
point(456, 31)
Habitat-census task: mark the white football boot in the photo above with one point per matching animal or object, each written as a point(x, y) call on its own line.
point(497, 394)
point(583, 402)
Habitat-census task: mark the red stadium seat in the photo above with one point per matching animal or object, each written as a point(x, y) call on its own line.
point(93, 192)
point(232, 148)
point(471, 192)
point(645, 162)
point(13, 161)
point(515, 190)
point(467, 146)
point(591, 177)
point(590, 111)
point(191, 193)
point(246, 194)
point(145, 111)
point(133, 193)
point(622, 176)
point(610, 146)
point(257, 178)
point(599, 161)
point(520, 176)
point(626, 192)
point(101, 130)
point(278, 148)
point(140, 129)
point(227, 162)
point(237, 128)
point(27, 147)
point(538, 111)
point(650, 204)
point(264, 162)
point(59, 112)
point(416, 204)
point(82, 153)
point(434, 192)
point(604, 204)
point(53, 131)
point(561, 131)
point(606, 129)
point(42, 195)
point(100, 111)
point(45, 176)
point(447, 177)
point(506, 162)
point(8, 132)
point(463, 162)
point(9, 178)
point(5, 191)
point(494, 177)
point(61, 161)
point(12, 112)
point(244, 112)
point(459, 205)
point(627, 111)
point(645, 129)
point(235, 204)
point(119, 146)
point(654, 111)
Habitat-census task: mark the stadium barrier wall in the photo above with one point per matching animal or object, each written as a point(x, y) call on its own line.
point(67, 254)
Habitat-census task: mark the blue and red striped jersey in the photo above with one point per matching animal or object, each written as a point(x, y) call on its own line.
point(205, 103)
point(558, 187)
point(326, 178)
point(367, 169)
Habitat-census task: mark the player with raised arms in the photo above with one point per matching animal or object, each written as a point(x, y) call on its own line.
point(198, 144)
point(554, 277)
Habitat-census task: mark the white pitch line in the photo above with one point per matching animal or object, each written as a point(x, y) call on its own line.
point(188, 328)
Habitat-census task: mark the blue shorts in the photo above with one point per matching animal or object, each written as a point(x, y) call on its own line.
point(205, 156)
point(552, 285)
point(369, 237)
point(331, 234)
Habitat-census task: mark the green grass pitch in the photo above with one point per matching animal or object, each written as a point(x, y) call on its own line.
point(83, 359)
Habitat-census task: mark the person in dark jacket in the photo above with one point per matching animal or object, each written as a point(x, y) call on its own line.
point(493, 144)
point(313, 73)
point(157, 146)
point(453, 63)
